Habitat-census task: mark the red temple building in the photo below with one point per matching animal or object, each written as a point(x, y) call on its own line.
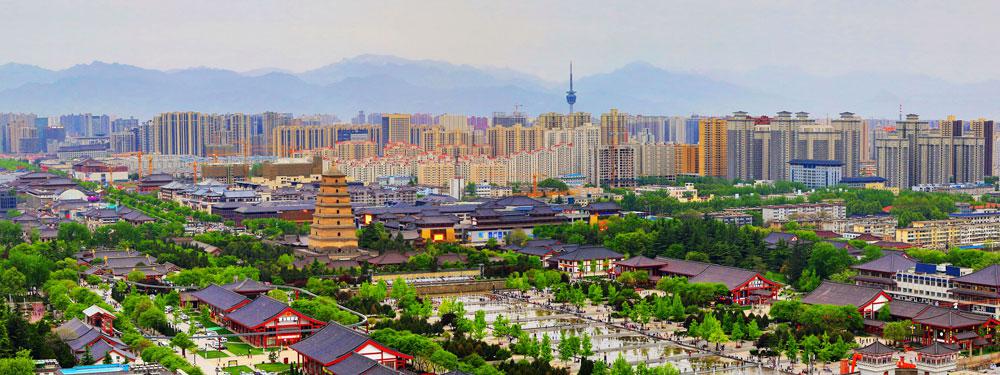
point(340, 350)
point(745, 287)
point(101, 319)
point(276, 323)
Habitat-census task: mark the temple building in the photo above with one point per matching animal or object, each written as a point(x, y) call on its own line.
point(332, 231)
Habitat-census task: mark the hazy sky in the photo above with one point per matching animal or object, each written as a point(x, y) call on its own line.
point(955, 40)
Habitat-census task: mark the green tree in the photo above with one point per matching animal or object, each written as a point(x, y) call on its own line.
point(826, 259)
point(10, 234)
point(753, 331)
point(516, 237)
point(884, 314)
point(12, 281)
point(545, 349)
point(897, 331)
point(278, 294)
point(737, 333)
point(792, 349)
point(586, 346)
point(183, 341)
point(595, 293)
point(479, 325)
point(136, 276)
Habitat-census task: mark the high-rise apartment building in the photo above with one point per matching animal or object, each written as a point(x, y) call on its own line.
point(395, 128)
point(453, 122)
point(179, 133)
point(504, 141)
point(615, 166)
point(613, 130)
point(759, 148)
point(551, 120)
point(578, 119)
point(914, 154)
point(712, 133)
point(287, 139)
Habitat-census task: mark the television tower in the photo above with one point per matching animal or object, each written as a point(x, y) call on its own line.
point(571, 95)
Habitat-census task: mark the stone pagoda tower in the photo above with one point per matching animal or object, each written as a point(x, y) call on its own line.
point(332, 231)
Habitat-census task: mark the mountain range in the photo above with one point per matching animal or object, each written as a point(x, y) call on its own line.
point(378, 83)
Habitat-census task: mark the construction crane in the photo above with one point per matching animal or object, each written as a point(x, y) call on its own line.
point(138, 156)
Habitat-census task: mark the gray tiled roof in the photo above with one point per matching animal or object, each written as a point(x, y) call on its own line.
point(831, 293)
point(354, 364)
point(257, 312)
point(891, 262)
point(330, 343)
point(219, 297)
point(588, 253)
point(989, 276)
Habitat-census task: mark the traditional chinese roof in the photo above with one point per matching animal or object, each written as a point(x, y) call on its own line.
point(330, 343)
point(876, 348)
point(907, 309)
point(774, 238)
point(699, 272)
point(889, 263)
point(948, 318)
point(831, 293)
point(640, 261)
point(356, 363)
point(588, 253)
point(257, 312)
point(94, 310)
point(989, 276)
point(682, 267)
point(938, 348)
point(248, 286)
point(388, 259)
point(219, 297)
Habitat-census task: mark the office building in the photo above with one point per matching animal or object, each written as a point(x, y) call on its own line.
point(712, 147)
point(395, 128)
point(816, 173)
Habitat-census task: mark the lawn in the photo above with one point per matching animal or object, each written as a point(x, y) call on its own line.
point(241, 349)
point(212, 354)
point(273, 367)
point(237, 370)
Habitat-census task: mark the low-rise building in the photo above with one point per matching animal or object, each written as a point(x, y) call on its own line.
point(99, 172)
point(586, 261)
point(82, 338)
point(927, 284)
point(880, 226)
point(815, 173)
point(731, 217)
point(745, 287)
point(978, 291)
point(803, 212)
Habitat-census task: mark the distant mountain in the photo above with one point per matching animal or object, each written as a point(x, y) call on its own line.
point(14, 75)
point(387, 83)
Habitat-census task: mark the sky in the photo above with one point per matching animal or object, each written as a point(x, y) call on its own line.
point(949, 40)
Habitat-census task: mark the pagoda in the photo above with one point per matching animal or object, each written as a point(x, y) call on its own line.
point(332, 231)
